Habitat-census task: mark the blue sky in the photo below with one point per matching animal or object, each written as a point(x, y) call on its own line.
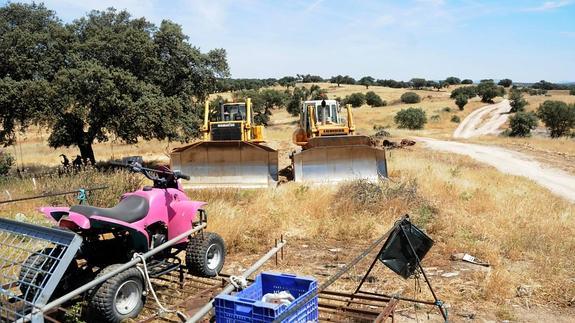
point(523, 40)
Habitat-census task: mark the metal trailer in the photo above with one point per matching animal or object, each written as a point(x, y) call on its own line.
point(33, 260)
point(190, 297)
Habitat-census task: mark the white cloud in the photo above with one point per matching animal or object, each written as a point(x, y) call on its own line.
point(550, 5)
point(432, 2)
point(312, 6)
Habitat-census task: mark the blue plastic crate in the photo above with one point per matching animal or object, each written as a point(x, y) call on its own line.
point(246, 306)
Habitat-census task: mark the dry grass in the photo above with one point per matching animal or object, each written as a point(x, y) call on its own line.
point(118, 182)
point(524, 231)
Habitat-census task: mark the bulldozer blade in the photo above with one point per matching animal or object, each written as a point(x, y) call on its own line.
point(238, 164)
point(333, 164)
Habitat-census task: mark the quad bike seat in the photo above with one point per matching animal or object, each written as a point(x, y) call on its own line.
point(130, 209)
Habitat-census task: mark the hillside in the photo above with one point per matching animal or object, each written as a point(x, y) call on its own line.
point(510, 222)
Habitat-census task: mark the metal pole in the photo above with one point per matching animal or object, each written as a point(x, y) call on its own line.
point(53, 194)
point(59, 301)
point(229, 288)
point(338, 274)
point(424, 275)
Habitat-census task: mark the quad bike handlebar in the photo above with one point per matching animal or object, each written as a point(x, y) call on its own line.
point(161, 177)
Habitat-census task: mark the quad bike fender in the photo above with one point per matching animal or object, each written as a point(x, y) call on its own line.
point(74, 218)
point(180, 221)
point(54, 213)
point(140, 237)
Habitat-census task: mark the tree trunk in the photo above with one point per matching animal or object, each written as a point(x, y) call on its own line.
point(87, 152)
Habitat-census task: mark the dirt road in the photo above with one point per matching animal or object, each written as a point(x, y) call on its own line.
point(484, 121)
point(511, 162)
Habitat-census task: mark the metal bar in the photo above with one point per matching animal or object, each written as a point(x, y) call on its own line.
point(133, 262)
point(388, 311)
point(338, 274)
point(401, 298)
point(229, 288)
point(380, 297)
point(424, 275)
point(351, 302)
point(344, 309)
point(354, 316)
point(52, 194)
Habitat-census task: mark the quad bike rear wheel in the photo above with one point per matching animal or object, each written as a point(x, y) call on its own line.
point(35, 268)
point(119, 298)
point(205, 254)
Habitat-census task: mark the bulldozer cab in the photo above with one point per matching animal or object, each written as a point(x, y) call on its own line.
point(322, 118)
point(230, 112)
point(330, 110)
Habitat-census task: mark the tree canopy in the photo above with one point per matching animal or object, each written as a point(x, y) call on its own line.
point(366, 81)
point(105, 75)
point(558, 116)
point(487, 90)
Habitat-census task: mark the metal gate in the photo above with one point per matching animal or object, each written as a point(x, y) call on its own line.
point(33, 260)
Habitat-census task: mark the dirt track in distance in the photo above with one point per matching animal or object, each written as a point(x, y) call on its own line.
point(484, 121)
point(511, 162)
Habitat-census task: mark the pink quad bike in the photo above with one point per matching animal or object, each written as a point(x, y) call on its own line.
point(141, 221)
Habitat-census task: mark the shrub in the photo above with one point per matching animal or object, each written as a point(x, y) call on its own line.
point(505, 82)
point(537, 92)
point(435, 118)
point(418, 83)
point(452, 80)
point(467, 81)
point(461, 101)
point(381, 131)
point(468, 91)
point(6, 162)
point(558, 116)
point(355, 99)
point(412, 118)
point(373, 99)
point(522, 123)
point(488, 91)
point(446, 109)
point(572, 91)
point(455, 119)
point(410, 97)
point(517, 101)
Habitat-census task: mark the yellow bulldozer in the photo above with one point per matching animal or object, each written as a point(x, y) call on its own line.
point(231, 154)
point(331, 151)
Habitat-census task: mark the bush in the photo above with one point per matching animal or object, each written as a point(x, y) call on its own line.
point(537, 92)
point(6, 162)
point(452, 80)
point(468, 91)
point(572, 91)
point(455, 119)
point(446, 109)
point(418, 83)
point(410, 97)
point(412, 118)
point(558, 116)
point(522, 123)
point(461, 101)
point(467, 81)
point(505, 82)
point(374, 100)
point(355, 99)
point(517, 101)
point(435, 118)
point(488, 91)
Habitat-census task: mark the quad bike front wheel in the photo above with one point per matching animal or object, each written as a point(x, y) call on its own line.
point(205, 254)
point(119, 298)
